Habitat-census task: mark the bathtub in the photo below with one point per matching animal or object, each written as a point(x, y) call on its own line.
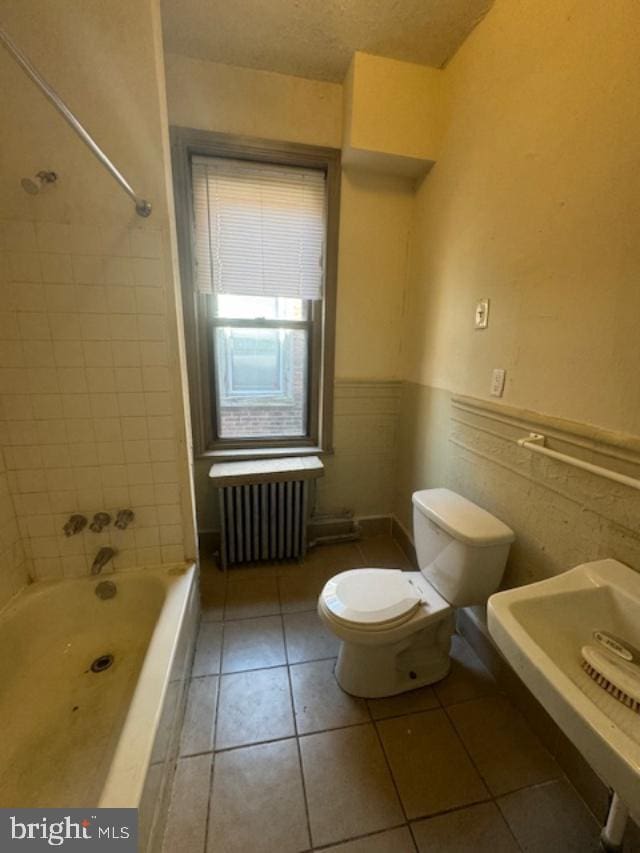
point(73, 736)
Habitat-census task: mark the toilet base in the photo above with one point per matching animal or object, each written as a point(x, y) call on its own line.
point(372, 672)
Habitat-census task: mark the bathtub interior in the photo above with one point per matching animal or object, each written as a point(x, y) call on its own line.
point(60, 751)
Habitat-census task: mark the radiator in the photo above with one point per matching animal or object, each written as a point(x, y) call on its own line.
point(264, 507)
point(264, 521)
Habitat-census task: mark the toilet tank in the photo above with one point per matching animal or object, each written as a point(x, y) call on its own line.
point(462, 549)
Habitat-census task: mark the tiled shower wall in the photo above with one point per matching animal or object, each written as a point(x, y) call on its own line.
point(13, 574)
point(87, 404)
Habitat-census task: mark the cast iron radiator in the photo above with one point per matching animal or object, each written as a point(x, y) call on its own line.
point(264, 508)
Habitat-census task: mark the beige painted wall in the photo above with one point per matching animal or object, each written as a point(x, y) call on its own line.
point(375, 225)
point(534, 203)
point(375, 221)
point(92, 409)
point(393, 107)
point(224, 98)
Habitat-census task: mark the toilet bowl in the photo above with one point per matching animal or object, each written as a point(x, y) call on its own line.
point(395, 627)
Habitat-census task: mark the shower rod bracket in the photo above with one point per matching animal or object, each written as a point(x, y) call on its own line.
point(143, 207)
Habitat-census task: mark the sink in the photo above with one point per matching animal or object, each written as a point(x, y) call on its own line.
point(541, 628)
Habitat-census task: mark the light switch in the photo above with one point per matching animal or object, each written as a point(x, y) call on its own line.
point(482, 314)
point(497, 382)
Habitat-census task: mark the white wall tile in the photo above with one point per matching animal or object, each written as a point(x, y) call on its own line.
point(86, 409)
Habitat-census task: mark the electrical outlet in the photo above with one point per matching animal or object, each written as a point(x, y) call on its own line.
point(497, 382)
point(482, 314)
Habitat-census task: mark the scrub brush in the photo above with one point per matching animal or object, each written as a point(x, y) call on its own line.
point(615, 666)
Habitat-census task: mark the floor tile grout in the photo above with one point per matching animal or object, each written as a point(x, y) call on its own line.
point(300, 765)
point(227, 582)
point(213, 740)
point(362, 836)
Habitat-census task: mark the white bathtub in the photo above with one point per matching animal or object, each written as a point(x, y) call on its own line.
point(72, 737)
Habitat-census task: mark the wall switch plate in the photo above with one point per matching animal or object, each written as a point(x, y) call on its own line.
point(482, 314)
point(497, 382)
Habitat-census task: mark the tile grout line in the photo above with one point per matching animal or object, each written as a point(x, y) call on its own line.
point(493, 798)
point(393, 780)
point(295, 727)
point(362, 837)
point(213, 745)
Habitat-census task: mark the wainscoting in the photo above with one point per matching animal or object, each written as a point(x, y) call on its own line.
point(562, 515)
point(359, 474)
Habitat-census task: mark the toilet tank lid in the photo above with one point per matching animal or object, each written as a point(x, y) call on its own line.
point(461, 518)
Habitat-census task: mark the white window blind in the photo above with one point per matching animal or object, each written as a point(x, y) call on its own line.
point(259, 228)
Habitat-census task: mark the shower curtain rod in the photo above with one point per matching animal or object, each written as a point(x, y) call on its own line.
point(143, 207)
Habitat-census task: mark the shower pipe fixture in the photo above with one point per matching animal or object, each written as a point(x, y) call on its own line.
point(43, 177)
point(536, 442)
point(143, 207)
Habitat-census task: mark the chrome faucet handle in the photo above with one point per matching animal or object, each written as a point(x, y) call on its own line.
point(100, 520)
point(74, 525)
point(101, 559)
point(124, 518)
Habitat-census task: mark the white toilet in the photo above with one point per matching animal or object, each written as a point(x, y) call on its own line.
point(396, 626)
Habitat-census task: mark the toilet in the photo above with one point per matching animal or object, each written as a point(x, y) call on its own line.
point(396, 626)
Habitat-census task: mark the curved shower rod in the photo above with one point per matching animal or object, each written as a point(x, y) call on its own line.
point(143, 207)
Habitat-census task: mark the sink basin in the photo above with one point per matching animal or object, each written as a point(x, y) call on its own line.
point(541, 628)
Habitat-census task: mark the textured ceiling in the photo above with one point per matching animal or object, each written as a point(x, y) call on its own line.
point(316, 38)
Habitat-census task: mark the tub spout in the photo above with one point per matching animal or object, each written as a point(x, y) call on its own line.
point(102, 558)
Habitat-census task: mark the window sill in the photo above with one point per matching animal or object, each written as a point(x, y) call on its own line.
point(239, 455)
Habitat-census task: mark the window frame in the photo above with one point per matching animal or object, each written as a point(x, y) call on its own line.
point(196, 307)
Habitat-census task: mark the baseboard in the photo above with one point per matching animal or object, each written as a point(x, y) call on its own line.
point(404, 540)
point(362, 527)
point(209, 543)
point(374, 525)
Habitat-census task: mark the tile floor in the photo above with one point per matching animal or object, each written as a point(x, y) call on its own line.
point(275, 758)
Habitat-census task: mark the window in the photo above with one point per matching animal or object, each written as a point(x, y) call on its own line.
point(257, 232)
point(261, 369)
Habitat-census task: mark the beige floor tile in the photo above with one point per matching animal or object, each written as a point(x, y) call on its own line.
point(250, 571)
point(307, 638)
point(253, 644)
point(349, 789)
point(429, 764)
point(468, 678)
point(187, 818)
point(212, 598)
point(257, 801)
point(392, 841)
point(199, 716)
point(208, 649)
point(331, 559)
point(384, 552)
point(503, 747)
point(210, 573)
point(250, 598)
point(551, 817)
point(319, 702)
point(422, 699)
point(300, 592)
point(254, 706)
point(480, 829)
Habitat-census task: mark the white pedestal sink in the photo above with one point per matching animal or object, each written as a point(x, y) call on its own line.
point(541, 628)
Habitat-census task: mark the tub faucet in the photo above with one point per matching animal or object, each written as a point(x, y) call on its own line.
point(124, 518)
point(74, 525)
point(102, 558)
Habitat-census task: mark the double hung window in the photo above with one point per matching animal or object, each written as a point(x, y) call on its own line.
point(257, 229)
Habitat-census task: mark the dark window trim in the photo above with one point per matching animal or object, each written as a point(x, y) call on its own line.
point(189, 142)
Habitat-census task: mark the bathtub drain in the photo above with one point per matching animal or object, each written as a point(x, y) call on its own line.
point(102, 663)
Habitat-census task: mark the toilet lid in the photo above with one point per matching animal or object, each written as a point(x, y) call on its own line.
point(371, 596)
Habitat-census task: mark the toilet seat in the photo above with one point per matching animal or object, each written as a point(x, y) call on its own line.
point(370, 599)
